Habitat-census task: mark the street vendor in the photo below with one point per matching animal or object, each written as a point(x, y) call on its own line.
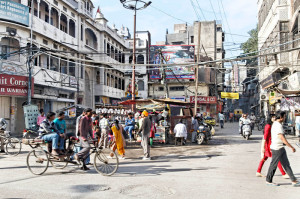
point(180, 130)
point(129, 125)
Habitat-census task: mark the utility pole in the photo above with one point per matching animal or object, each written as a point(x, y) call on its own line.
point(133, 59)
point(197, 68)
point(163, 75)
point(30, 57)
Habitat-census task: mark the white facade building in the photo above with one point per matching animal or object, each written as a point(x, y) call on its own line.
point(76, 58)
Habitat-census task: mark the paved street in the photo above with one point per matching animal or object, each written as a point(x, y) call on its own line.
point(223, 169)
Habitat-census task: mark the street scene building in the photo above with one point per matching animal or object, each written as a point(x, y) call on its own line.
point(141, 99)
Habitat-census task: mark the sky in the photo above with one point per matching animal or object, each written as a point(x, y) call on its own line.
point(239, 17)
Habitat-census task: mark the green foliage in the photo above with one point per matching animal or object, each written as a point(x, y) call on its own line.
point(251, 47)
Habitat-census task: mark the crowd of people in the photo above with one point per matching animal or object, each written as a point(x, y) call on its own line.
point(96, 128)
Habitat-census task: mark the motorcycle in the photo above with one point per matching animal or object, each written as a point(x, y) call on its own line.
point(31, 133)
point(246, 129)
point(261, 124)
point(203, 133)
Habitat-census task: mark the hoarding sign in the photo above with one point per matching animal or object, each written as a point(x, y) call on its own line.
point(15, 12)
point(230, 95)
point(204, 99)
point(13, 85)
point(173, 54)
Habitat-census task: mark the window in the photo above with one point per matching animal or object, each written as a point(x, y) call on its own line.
point(34, 37)
point(73, 15)
point(65, 9)
point(55, 2)
point(177, 88)
point(161, 89)
point(219, 50)
point(192, 39)
point(81, 32)
point(141, 86)
point(284, 27)
point(219, 29)
point(45, 42)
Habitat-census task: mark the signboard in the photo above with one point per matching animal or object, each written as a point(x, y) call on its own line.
point(13, 85)
point(15, 12)
point(173, 54)
point(204, 99)
point(230, 95)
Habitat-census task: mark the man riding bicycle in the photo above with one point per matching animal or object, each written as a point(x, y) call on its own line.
point(49, 133)
point(3, 125)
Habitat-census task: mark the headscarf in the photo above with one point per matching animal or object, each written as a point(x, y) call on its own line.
point(145, 113)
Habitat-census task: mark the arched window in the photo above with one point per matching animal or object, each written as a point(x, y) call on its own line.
point(120, 84)
point(63, 23)
point(112, 52)
point(8, 46)
point(141, 86)
point(90, 38)
point(54, 17)
point(140, 59)
point(108, 49)
point(63, 66)
point(72, 28)
point(44, 11)
point(130, 59)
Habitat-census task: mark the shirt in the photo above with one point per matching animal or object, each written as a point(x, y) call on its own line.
point(180, 130)
point(85, 127)
point(40, 119)
point(275, 131)
point(104, 124)
point(47, 127)
point(221, 117)
point(195, 124)
point(77, 124)
point(60, 125)
point(130, 122)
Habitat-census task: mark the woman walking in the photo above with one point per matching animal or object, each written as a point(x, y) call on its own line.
point(118, 143)
point(265, 148)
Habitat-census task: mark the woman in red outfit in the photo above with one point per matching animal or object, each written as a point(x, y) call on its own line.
point(265, 148)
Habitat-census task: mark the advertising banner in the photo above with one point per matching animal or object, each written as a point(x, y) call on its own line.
point(204, 99)
point(14, 85)
point(15, 12)
point(230, 95)
point(173, 54)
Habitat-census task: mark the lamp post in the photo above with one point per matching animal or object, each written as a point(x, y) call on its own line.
point(134, 5)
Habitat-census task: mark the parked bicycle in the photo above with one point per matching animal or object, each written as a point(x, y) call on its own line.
point(12, 146)
point(106, 161)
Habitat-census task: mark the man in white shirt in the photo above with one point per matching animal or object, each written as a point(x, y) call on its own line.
point(180, 130)
point(279, 153)
point(221, 119)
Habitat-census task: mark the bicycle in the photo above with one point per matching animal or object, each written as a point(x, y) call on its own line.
point(106, 161)
point(13, 145)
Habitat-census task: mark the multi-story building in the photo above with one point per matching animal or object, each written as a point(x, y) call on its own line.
point(76, 57)
point(208, 45)
point(278, 40)
point(143, 41)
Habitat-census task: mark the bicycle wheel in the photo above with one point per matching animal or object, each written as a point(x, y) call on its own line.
point(59, 164)
point(13, 146)
point(37, 161)
point(106, 162)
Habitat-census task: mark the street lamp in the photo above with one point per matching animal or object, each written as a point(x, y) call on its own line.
point(134, 5)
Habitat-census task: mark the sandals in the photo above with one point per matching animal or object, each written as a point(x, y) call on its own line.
point(272, 184)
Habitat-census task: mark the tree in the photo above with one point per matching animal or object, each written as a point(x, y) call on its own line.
point(251, 47)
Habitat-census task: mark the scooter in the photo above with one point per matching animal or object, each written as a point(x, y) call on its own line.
point(246, 129)
point(203, 133)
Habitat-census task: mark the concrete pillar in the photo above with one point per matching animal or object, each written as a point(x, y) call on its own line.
point(59, 14)
point(49, 60)
point(68, 29)
point(50, 7)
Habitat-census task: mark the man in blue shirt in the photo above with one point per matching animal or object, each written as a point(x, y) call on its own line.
point(130, 124)
point(61, 126)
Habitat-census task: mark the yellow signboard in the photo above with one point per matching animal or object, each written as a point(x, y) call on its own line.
point(230, 95)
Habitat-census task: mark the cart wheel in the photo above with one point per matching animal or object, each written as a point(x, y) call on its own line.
point(106, 162)
point(59, 163)
point(37, 161)
point(13, 146)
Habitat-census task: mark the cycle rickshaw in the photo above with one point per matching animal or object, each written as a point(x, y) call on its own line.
point(106, 161)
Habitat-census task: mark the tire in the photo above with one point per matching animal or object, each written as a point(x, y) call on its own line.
point(58, 164)
point(106, 162)
point(37, 161)
point(200, 138)
point(247, 137)
point(13, 146)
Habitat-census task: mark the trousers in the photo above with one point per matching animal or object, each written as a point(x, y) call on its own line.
point(55, 139)
point(129, 129)
point(84, 152)
point(262, 162)
point(280, 155)
point(146, 146)
point(104, 138)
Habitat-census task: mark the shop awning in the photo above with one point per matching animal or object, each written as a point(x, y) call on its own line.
point(164, 101)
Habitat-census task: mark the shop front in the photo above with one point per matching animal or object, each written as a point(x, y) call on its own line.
point(207, 105)
point(13, 94)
